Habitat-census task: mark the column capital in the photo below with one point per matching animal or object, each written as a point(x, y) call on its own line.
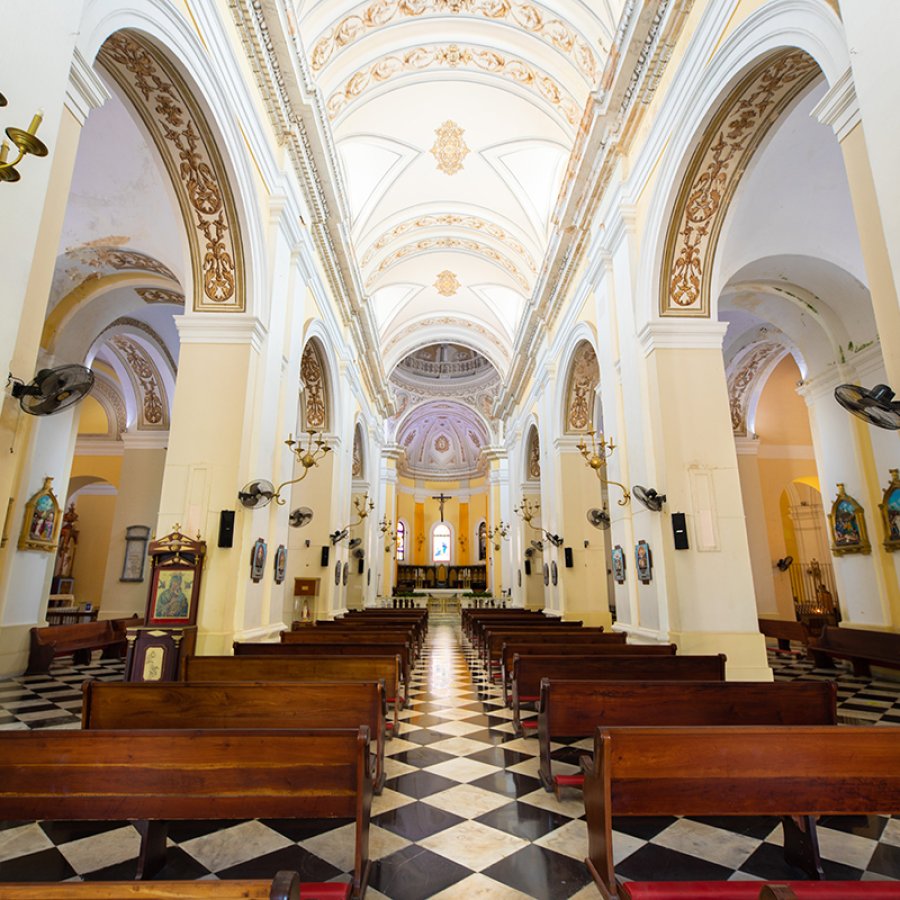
point(746, 446)
point(85, 90)
point(220, 328)
point(392, 451)
point(690, 334)
point(839, 108)
point(568, 443)
point(145, 440)
point(495, 453)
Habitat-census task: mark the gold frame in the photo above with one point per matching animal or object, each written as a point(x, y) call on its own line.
point(890, 544)
point(858, 514)
point(26, 540)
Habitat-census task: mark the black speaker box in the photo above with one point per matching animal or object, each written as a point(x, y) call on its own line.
point(569, 563)
point(325, 556)
point(361, 566)
point(226, 528)
point(527, 566)
point(679, 531)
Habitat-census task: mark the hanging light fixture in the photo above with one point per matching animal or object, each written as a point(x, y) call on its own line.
point(596, 456)
point(25, 142)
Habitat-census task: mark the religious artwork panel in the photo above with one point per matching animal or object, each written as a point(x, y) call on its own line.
point(643, 562)
point(618, 564)
point(258, 561)
point(41, 522)
point(848, 525)
point(171, 596)
point(890, 512)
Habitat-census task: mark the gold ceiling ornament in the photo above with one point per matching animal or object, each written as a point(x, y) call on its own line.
point(449, 148)
point(313, 378)
point(453, 56)
point(596, 456)
point(168, 110)
point(530, 17)
point(717, 165)
point(449, 220)
point(160, 295)
point(447, 284)
point(452, 243)
point(146, 379)
point(742, 379)
point(583, 380)
point(25, 141)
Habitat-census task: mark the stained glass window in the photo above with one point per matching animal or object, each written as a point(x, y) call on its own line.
point(440, 543)
point(401, 541)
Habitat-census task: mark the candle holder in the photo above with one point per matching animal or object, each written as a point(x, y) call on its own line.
point(25, 142)
point(596, 456)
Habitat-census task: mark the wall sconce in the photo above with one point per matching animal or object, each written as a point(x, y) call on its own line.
point(260, 493)
point(25, 142)
point(526, 511)
point(498, 533)
point(386, 527)
point(363, 507)
point(596, 456)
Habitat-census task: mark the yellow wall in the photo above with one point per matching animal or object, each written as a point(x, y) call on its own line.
point(95, 516)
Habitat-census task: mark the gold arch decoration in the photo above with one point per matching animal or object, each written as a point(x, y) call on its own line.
point(453, 56)
point(742, 379)
point(714, 173)
point(357, 471)
point(529, 17)
point(533, 464)
point(153, 412)
point(160, 295)
point(449, 220)
point(452, 243)
point(584, 376)
point(312, 374)
point(183, 138)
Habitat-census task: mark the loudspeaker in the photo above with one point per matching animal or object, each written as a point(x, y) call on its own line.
point(527, 566)
point(360, 566)
point(569, 563)
point(679, 531)
point(325, 556)
point(226, 528)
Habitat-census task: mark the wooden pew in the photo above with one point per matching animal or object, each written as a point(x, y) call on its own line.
point(489, 633)
point(321, 704)
point(78, 640)
point(470, 615)
point(375, 637)
point(417, 617)
point(494, 639)
point(754, 770)
point(292, 667)
point(577, 644)
point(575, 709)
point(411, 630)
point(863, 648)
point(504, 617)
point(251, 648)
point(784, 631)
point(158, 776)
point(285, 886)
point(529, 671)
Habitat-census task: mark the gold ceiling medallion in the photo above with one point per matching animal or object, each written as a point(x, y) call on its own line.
point(449, 149)
point(168, 110)
point(717, 165)
point(447, 284)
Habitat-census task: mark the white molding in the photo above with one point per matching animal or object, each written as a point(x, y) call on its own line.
point(93, 447)
point(787, 451)
point(104, 489)
point(839, 108)
point(643, 635)
point(145, 440)
point(747, 446)
point(260, 632)
point(85, 90)
point(699, 334)
point(220, 328)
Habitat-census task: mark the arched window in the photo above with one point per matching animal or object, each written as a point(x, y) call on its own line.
point(440, 543)
point(401, 541)
point(482, 542)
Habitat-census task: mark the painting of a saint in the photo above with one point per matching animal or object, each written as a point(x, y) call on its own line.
point(173, 590)
point(890, 512)
point(41, 521)
point(848, 526)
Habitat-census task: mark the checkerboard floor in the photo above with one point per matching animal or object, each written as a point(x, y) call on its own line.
point(462, 814)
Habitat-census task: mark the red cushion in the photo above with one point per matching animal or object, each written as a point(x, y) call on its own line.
point(569, 780)
point(745, 890)
point(389, 725)
point(530, 723)
point(325, 890)
point(529, 699)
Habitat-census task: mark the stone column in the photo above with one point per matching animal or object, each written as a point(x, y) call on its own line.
point(388, 567)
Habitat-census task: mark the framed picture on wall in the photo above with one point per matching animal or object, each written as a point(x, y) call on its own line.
point(41, 522)
point(618, 564)
point(848, 525)
point(258, 561)
point(280, 563)
point(554, 572)
point(643, 562)
point(173, 595)
point(136, 538)
point(890, 512)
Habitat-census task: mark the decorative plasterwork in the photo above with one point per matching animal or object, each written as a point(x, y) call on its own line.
point(533, 461)
point(714, 173)
point(312, 374)
point(446, 284)
point(451, 243)
point(152, 410)
point(449, 220)
point(169, 112)
point(106, 394)
point(584, 376)
point(444, 322)
point(449, 149)
point(745, 372)
point(453, 56)
point(155, 339)
point(357, 470)
point(529, 17)
point(160, 295)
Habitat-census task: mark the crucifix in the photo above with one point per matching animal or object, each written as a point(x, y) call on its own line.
point(442, 499)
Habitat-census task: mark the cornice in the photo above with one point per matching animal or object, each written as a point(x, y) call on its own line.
point(839, 108)
point(746, 446)
point(85, 90)
point(693, 334)
point(93, 447)
point(220, 328)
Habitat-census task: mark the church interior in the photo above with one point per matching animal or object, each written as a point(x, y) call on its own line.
point(356, 329)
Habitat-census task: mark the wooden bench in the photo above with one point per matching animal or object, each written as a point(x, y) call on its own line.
point(784, 631)
point(486, 631)
point(409, 630)
point(504, 618)
point(251, 648)
point(285, 886)
point(292, 667)
point(561, 634)
point(530, 671)
point(321, 704)
point(77, 640)
point(578, 645)
point(754, 770)
point(863, 648)
point(575, 709)
point(375, 637)
point(157, 776)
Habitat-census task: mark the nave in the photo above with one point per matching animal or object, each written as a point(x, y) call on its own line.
point(463, 813)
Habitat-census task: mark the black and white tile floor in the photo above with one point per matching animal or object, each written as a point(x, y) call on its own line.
point(463, 813)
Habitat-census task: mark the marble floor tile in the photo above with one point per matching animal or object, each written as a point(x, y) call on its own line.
point(473, 844)
point(230, 846)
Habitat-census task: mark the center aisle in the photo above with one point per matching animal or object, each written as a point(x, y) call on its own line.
point(463, 813)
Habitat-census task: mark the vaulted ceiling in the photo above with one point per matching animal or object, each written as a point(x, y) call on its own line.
point(453, 122)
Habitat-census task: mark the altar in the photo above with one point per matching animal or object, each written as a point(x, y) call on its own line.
point(441, 577)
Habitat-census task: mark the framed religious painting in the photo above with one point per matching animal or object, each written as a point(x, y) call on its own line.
point(848, 525)
point(618, 564)
point(554, 572)
point(258, 561)
point(41, 522)
point(643, 562)
point(546, 574)
point(280, 563)
point(173, 596)
point(890, 512)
